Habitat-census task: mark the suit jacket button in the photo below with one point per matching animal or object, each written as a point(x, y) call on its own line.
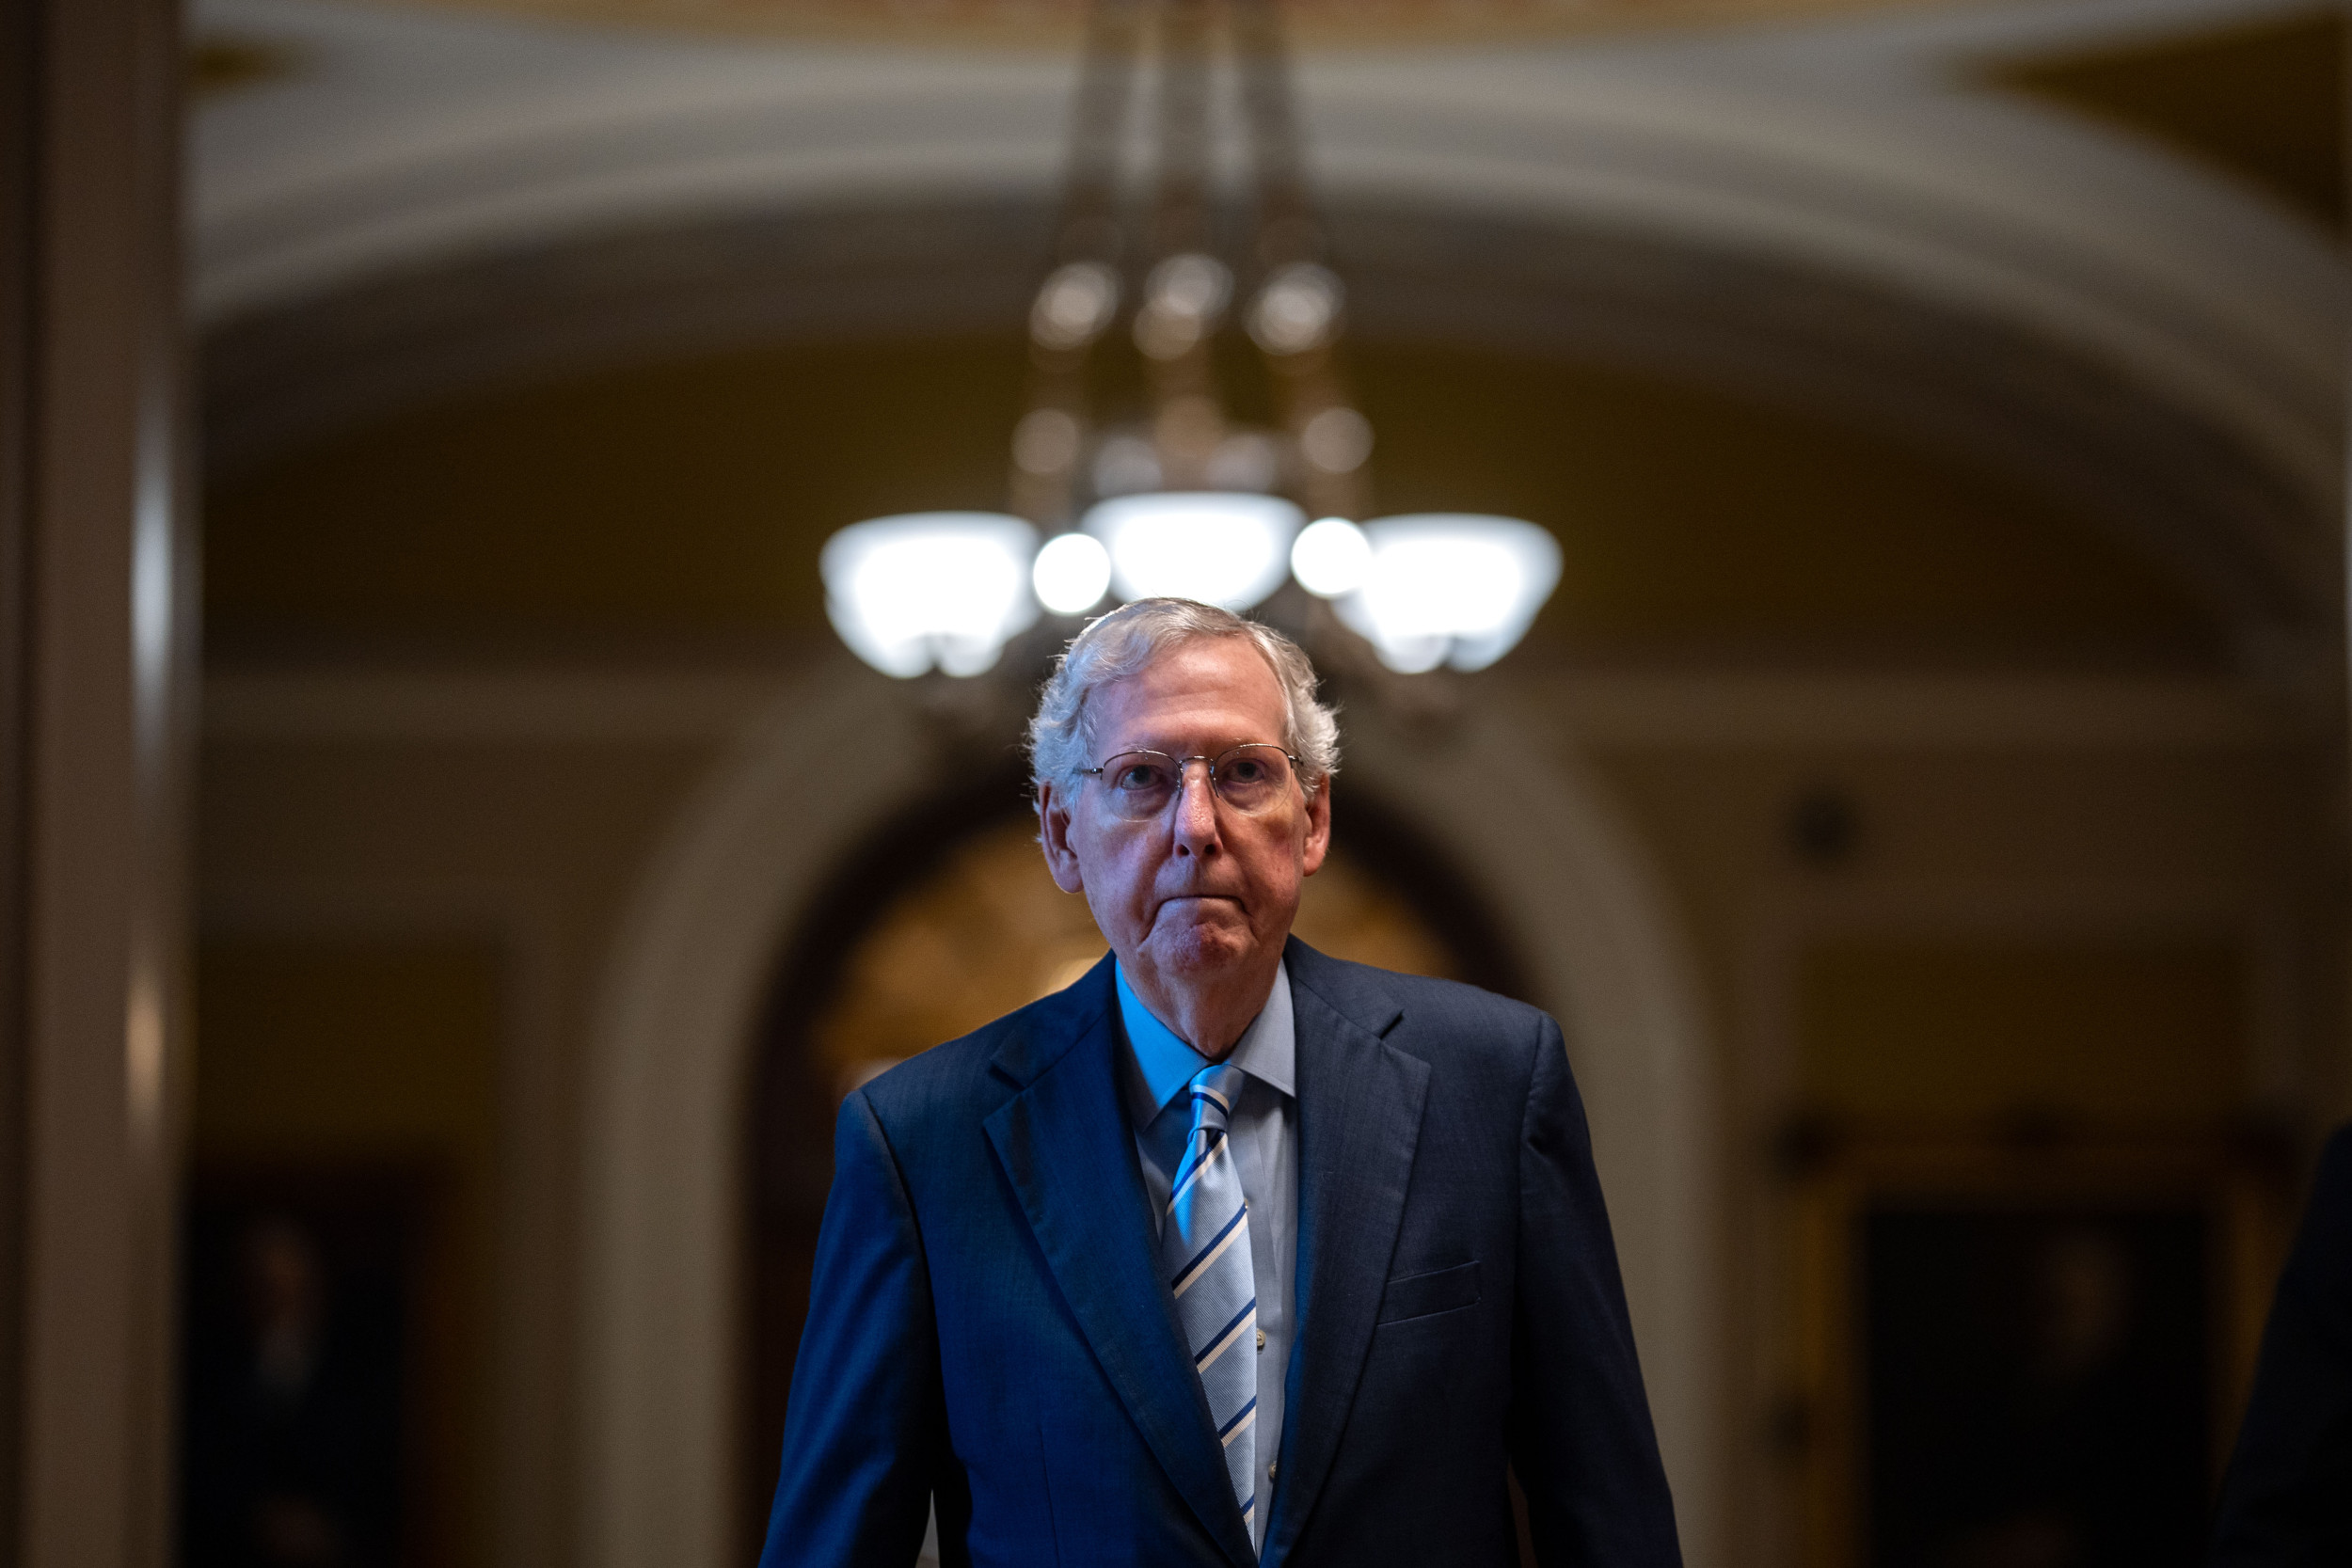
point(1271, 1466)
point(1262, 1339)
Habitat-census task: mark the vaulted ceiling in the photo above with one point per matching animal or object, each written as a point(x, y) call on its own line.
point(2082, 251)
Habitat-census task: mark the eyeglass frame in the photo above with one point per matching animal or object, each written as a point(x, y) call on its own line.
point(1184, 767)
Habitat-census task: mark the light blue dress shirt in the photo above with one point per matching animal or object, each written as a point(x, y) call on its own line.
point(1265, 1129)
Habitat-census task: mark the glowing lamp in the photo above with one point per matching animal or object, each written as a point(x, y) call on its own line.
point(1332, 557)
point(1226, 548)
point(1072, 574)
point(929, 589)
point(1449, 588)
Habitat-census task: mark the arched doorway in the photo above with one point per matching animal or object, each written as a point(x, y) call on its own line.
point(751, 863)
point(945, 919)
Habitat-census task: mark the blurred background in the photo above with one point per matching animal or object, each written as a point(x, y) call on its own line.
point(1922, 797)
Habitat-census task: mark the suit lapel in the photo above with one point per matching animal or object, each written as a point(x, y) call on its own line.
point(1065, 1148)
point(1360, 1104)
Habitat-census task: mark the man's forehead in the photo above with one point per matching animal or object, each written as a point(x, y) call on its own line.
point(1190, 730)
point(1225, 693)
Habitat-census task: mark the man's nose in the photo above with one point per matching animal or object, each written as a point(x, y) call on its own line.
point(1196, 808)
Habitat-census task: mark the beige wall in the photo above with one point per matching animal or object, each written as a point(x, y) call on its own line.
point(522, 852)
point(366, 1059)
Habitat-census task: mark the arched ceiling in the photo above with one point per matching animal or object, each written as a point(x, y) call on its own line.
point(2260, 99)
point(1871, 218)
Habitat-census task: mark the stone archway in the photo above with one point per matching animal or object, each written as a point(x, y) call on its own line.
point(694, 959)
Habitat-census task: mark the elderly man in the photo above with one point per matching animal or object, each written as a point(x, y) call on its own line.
point(1231, 1252)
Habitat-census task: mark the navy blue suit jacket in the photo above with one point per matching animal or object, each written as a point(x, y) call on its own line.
point(987, 1323)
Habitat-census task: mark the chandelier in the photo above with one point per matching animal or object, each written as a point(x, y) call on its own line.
point(1172, 493)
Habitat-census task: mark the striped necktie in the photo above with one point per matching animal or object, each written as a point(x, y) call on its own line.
point(1205, 1255)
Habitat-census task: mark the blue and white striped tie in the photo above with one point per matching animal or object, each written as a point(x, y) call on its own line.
point(1205, 1252)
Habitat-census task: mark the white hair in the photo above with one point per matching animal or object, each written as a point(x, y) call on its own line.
point(1119, 646)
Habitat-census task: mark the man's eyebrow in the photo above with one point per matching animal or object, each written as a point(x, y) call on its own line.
point(1171, 748)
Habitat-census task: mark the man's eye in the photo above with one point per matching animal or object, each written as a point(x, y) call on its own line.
point(1142, 776)
point(1246, 770)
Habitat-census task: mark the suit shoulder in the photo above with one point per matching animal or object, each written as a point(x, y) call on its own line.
point(1445, 1017)
point(1472, 1035)
point(954, 1078)
point(1467, 1004)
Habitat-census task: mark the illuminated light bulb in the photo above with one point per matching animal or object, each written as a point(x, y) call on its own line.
point(1072, 574)
point(1181, 301)
point(929, 589)
point(1073, 305)
point(1297, 309)
point(1190, 284)
point(1451, 589)
point(1332, 557)
point(1221, 547)
point(1337, 440)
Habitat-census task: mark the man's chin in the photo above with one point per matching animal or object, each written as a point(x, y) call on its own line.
point(1201, 949)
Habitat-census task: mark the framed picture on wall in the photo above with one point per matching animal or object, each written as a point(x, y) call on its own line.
point(309, 1349)
point(2025, 1352)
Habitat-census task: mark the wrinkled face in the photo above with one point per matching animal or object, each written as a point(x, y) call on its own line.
point(1202, 888)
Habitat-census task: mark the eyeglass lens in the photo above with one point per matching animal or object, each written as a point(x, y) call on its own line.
point(1249, 778)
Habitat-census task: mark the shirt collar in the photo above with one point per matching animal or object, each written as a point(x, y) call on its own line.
point(1163, 1063)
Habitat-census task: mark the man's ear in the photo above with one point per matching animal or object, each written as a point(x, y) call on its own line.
point(1318, 829)
point(1053, 836)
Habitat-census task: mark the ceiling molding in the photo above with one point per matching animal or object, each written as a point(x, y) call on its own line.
point(2260, 98)
point(1864, 149)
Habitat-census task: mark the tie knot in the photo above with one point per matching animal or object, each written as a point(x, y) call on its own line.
point(1214, 1088)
